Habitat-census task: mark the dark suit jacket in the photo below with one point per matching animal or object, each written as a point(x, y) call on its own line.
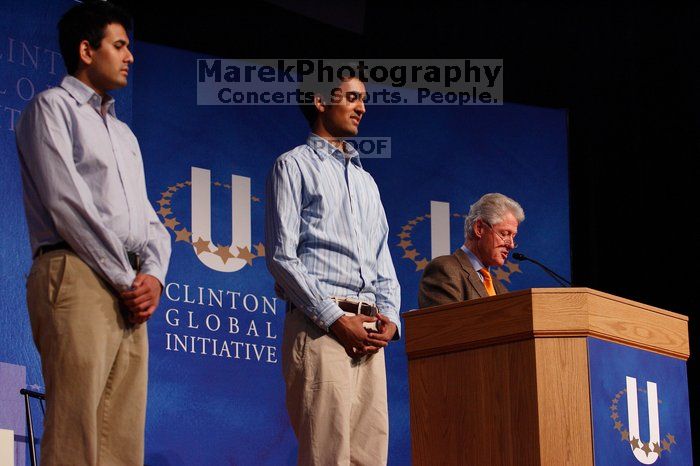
point(451, 279)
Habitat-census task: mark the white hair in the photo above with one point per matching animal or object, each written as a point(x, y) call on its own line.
point(491, 208)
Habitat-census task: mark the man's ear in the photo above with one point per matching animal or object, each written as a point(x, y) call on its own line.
point(85, 52)
point(478, 228)
point(319, 104)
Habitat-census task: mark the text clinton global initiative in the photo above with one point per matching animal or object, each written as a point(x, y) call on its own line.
point(209, 317)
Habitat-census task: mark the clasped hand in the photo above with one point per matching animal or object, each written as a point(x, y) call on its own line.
point(357, 340)
point(142, 299)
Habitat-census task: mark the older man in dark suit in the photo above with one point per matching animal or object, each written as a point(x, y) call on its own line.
point(489, 232)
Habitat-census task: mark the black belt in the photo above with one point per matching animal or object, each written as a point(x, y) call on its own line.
point(134, 258)
point(52, 247)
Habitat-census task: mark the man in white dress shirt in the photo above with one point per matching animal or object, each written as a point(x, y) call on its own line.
point(100, 251)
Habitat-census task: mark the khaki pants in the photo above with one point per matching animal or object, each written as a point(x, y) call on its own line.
point(94, 366)
point(337, 405)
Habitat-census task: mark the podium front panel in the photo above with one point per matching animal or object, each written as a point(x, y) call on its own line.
point(639, 406)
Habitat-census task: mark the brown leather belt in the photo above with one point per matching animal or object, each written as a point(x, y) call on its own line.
point(356, 307)
point(134, 258)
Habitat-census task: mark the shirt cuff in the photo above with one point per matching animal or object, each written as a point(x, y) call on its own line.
point(391, 313)
point(397, 321)
point(153, 270)
point(124, 281)
point(325, 314)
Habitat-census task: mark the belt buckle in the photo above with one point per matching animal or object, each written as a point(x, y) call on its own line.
point(359, 305)
point(364, 305)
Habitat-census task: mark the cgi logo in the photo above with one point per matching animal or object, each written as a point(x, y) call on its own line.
point(645, 452)
point(240, 219)
point(230, 257)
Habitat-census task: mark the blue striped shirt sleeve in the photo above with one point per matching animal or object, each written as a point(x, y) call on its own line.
point(387, 288)
point(282, 229)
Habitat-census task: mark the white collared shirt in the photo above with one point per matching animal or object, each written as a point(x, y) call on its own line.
point(84, 184)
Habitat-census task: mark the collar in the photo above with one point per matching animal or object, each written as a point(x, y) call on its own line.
point(323, 148)
point(476, 263)
point(82, 93)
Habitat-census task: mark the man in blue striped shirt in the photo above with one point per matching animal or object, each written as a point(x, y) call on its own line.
point(326, 246)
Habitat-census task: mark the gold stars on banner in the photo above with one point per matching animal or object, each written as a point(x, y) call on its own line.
point(634, 442)
point(406, 243)
point(411, 253)
point(164, 211)
point(501, 275)
point(245, 254)
point(224, 252)
point(200, 245)
point(504, 276)
point(260, 249)
point(665, 445)
point(421, 264)
point(183, 235)
point(171, 223)
point(513, 267)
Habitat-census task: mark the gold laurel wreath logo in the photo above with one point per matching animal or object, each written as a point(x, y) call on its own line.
point(411, 253)
point(201, 245)
point(647, 447)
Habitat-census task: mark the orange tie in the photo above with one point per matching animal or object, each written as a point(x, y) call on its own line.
point(488, 283)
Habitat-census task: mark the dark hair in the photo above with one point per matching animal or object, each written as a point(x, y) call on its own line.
point(312, 87)
point(87, 21)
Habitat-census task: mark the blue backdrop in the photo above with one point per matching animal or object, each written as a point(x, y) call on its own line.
point(216, 394)
point(437, 153)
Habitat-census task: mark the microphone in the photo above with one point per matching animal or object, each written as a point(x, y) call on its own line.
point(559, 279)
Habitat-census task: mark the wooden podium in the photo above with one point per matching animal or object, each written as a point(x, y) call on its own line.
point(505, 380)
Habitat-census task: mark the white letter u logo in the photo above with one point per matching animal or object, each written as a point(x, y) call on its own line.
point(240, 218)
point(633, 420)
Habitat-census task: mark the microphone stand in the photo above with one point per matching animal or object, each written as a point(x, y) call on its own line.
point(558, 278)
